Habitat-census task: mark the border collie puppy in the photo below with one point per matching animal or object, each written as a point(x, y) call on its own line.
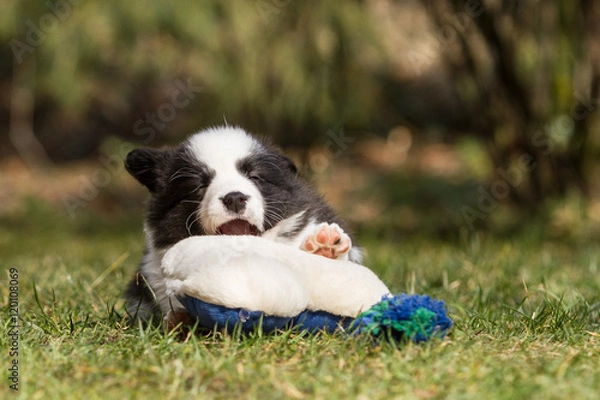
point(223, 181)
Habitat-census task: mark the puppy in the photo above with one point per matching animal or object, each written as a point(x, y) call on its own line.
point(223, 181)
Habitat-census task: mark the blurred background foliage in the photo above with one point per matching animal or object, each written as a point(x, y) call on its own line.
point(448, 111)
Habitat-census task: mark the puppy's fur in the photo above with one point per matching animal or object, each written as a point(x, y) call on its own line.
point(224, 181)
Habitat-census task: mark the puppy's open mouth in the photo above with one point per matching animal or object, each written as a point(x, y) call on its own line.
point(237, 227)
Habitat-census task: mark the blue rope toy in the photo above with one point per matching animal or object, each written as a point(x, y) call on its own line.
point(415, 317)
point(249, 283)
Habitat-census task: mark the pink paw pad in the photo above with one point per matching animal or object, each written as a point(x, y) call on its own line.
point(328, 240)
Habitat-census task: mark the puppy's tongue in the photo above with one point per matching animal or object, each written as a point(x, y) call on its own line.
point(237, 227)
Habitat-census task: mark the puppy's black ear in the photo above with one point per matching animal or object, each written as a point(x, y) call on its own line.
point(145, 165)
point(289, 164)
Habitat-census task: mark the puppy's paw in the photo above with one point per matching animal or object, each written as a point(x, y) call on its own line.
point(328, 240)
point(177, 319)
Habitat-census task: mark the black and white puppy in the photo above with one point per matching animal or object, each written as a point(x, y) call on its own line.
point(223, 181)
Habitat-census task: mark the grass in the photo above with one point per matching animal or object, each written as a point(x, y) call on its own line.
point(526, 312)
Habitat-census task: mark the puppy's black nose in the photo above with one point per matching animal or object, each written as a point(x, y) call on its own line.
point(235, 201)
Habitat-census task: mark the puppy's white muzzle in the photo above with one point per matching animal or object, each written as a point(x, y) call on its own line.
point(223, 203)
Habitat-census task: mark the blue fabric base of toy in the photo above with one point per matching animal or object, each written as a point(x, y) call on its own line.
point(213, 316)
point(395, 318)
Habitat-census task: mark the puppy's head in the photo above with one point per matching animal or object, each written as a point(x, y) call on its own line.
point(220, 181)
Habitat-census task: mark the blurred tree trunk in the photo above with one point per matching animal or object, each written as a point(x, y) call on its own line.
point(528, 76)
point(22, 103)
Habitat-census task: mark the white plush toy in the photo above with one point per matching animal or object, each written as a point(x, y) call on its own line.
point(257, 274)
point(226, 281)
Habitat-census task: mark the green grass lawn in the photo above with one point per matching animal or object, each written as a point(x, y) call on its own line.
point(526, 312)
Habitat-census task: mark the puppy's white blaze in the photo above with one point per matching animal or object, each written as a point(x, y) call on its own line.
point(221, 149)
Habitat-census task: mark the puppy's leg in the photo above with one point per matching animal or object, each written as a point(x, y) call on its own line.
point(328, 240)
point(175, 319)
